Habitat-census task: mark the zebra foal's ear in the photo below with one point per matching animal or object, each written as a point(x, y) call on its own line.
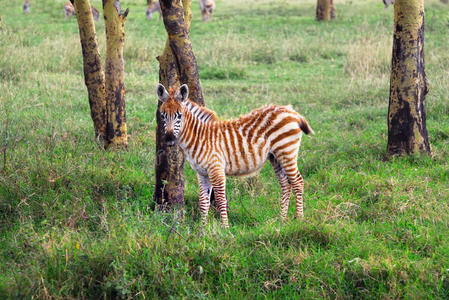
point(161, 92)
point(183, 93)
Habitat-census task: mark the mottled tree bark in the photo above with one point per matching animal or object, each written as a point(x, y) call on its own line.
point(177, 23)
point(169, 189)
point(325, 10)
point(332, 12)
point(177, 64)
point(106, 91)
point(93, 72)
point(407, 132)
point(115, 87)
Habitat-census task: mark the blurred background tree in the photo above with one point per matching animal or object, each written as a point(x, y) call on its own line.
point(325, 10)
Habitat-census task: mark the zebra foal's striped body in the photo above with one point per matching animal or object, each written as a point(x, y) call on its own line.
point(216, 148)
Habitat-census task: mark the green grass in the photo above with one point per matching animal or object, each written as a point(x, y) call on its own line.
point(77, 222)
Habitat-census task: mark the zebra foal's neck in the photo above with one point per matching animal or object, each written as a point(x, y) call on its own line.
point(198, 124)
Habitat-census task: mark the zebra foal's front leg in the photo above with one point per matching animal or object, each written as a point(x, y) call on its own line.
point(204, 199)
point(218, 180)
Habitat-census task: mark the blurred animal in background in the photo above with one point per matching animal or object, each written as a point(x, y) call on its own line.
point(153, 6)
point(69, 10)
point(26, 6)
point(95, 13)
point(388, 3)
point(207, 8)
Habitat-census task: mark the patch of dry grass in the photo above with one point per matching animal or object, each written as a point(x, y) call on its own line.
point(369, 57)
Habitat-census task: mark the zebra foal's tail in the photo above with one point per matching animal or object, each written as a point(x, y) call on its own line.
point(304, 125)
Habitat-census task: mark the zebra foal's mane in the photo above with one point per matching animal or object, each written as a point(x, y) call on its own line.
point(200, 112)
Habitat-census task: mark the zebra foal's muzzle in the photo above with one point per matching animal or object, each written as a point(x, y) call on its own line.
point(170, 139)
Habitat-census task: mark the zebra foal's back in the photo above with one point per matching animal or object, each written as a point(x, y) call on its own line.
point(247, 141)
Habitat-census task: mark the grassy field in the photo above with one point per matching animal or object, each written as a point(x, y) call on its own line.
point(77, 222)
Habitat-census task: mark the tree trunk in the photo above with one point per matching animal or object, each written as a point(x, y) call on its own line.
point(93, 72)
point(177, 23)
point(325, 10)
point(169, 189)
point(332, 12)
point(115, 87)
point(407, 132)
point(177, 64)
point(445, 1)
point(106, 91)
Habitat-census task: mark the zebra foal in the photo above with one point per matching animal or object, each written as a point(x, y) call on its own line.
point(217, 148)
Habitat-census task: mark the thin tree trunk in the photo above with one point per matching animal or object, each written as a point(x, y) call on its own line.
point(325, 10)
point(106, 91)
point(93, 73)
point(332, 12)
point(407, 132)
point(115, 87)
point(177, 64)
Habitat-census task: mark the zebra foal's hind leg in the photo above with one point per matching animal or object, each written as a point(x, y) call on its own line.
point(285, 186)
point(290, 167)
point(204, 199)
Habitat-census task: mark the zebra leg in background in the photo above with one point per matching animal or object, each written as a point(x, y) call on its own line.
point(218, 179)
point(285, 186)
point(290, 166)
point(204, 199)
